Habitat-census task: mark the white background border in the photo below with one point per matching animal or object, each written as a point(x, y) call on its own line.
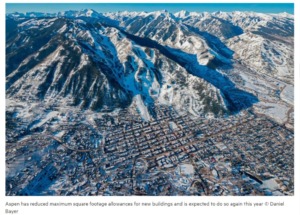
point(292, 203)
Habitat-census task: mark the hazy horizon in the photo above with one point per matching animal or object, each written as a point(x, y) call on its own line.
point(150, 7)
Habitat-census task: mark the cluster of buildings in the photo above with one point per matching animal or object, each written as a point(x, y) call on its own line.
point(173, 154)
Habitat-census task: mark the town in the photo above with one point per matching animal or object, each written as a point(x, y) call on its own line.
point(173, 154)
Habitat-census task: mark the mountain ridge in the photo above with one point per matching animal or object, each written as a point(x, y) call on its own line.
point(131, 71)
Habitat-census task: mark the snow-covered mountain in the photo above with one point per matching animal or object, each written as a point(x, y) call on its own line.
point(103, 62)
point(261, 41)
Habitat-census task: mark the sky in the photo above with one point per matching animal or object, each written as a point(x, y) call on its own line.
point(171, 7)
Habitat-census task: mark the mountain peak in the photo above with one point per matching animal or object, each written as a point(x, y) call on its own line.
point(89, 12)
point(182, 14)
point(286, 15)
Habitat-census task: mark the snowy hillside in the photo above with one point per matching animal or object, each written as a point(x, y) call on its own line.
point(140, 59)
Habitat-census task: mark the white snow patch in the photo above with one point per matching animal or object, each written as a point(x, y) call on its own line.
point(142, 107)
point(50, 115)
point(287, 94)
point(276, 111)
point(270, 184)
point(186, 170)
point(60, 134)
point(62, 29)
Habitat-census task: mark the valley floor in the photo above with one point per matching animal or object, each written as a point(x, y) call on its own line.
point(80, 153)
